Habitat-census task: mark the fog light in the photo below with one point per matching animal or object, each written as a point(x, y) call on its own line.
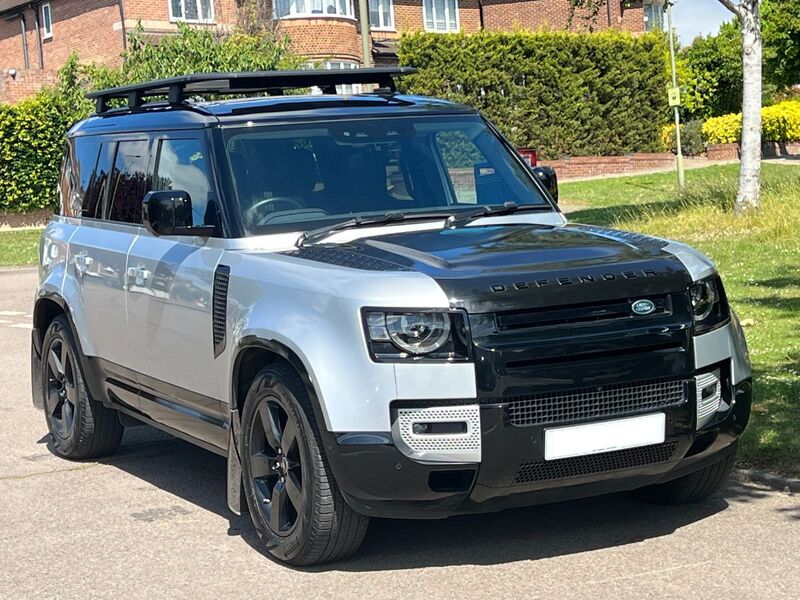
point(420, 428)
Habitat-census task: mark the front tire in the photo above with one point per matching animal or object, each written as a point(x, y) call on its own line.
point(690, 488)
point(296, 507)
point(79, 426)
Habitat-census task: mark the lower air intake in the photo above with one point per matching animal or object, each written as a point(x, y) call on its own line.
point(595, 463)
point(439, 433)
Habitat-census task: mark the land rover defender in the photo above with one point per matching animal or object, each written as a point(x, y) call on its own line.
point(372, 306)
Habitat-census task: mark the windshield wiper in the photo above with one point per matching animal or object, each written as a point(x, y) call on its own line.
point(311, 237)
point(507, 208)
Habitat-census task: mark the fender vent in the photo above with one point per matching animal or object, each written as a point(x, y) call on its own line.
point(219, 305)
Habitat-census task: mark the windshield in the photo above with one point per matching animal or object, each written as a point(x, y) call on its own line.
point(302, 176)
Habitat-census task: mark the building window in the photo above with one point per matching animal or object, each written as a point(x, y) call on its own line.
point(381, 15)
point(47, 21)
point(193, 11)
point(654, 15)
point(440, 15)
point(313, 9)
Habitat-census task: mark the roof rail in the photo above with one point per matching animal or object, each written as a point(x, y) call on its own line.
point(176, 89)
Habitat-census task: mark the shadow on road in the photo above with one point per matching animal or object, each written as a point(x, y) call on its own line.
point(532, 533)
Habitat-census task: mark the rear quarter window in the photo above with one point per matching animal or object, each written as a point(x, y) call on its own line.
point(130, 181)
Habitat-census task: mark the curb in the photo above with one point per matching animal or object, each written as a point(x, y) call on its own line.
point(771, 480)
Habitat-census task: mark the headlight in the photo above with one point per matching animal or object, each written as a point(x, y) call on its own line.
point(709, 305)
point(399, 335)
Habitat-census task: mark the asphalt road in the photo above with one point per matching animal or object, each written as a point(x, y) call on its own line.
point(151, 522)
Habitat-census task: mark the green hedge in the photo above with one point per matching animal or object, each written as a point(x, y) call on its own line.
point(780, 123)
point(562, 93)
point(31, 146)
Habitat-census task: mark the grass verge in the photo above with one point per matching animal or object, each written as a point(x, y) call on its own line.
point(758, 256)
point(19, 247)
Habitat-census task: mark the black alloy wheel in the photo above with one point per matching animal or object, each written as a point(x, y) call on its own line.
point(61, 392)
point(276, 466)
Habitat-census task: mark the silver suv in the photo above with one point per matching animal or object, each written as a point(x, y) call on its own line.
point(372, 306)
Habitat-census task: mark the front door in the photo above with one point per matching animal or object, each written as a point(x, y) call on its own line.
point(169, 304)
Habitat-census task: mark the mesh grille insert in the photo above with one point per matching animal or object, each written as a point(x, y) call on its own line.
point(593, 403)
point(595, 463)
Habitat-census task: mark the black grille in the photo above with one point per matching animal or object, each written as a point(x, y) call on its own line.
point(595, 463)
point(220, 307)
point(595, 402)
point(579, 313)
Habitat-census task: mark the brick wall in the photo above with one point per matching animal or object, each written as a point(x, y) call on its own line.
point(507, 15)
point(154, 15)
point(768, 150)
point(24, 83)
point(329, 38)
point(592, 166)
point(88, 27)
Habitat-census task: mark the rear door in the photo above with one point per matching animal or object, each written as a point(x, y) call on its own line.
point(169, 302)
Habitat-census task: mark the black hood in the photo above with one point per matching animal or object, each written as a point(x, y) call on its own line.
point(491, 268)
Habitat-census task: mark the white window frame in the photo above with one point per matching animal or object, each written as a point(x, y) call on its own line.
point(385, 27)
point(308, 14)
point(446, 18)
point(47, 23)
point(183, 19)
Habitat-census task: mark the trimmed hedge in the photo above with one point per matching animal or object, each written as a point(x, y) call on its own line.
point(780, 123)
point(31, 147)
point(562, 93)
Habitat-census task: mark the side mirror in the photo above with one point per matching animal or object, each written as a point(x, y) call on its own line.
point(548, 177)
point(169, 212)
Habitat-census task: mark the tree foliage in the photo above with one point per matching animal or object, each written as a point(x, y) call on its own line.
point(563, 93)
point(781, 30)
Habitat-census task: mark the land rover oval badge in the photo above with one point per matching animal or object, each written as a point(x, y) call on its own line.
point(643, 307)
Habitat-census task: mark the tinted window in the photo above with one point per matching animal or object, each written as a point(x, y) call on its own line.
point(183, 165)
point(66, 184)
point(299, 176)
point(94, 174)
point(129, 182)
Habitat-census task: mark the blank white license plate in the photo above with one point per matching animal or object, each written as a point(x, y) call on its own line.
point(593, 438)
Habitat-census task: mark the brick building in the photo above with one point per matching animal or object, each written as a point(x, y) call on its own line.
point(37, 36)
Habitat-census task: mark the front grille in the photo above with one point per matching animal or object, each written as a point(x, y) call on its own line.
point(579, 313)
point(595, 463)
point(595, 402)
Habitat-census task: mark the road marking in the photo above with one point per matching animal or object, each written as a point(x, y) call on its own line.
point(22, 325)
point(4, 321)
point(11, 313)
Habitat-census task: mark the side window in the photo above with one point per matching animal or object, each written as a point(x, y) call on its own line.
point(130, 181)
point(183, 165)
point(66, 183)
point(463, 160)
point(95, 171)
point(84, 161)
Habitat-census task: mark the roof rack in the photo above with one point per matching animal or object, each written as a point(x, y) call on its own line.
point(176, 89)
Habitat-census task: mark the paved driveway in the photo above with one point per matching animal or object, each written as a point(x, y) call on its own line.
point(151, 522)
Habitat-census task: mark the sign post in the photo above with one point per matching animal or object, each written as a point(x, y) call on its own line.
point(675, 98)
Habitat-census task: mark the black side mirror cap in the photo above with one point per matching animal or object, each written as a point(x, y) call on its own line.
point(169, 212)
point(548, 177)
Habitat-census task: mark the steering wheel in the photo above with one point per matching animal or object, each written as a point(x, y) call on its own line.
point(263, 208)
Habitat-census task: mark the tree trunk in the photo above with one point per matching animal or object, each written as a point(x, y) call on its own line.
point(750, 173)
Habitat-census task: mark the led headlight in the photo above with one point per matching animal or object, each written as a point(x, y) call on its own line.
point(709, 305)
point(400, 335)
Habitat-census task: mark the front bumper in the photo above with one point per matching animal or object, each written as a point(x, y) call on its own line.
point(378, 480)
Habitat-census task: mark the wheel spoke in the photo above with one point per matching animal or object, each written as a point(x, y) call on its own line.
point(72, 393)
point(53, 401)
point(67, 414)
point(64, 360)
point(270, 424)
point(293, 491)
point(289, 437)
point(260, 465)
point(56, 366)
point(278, 506)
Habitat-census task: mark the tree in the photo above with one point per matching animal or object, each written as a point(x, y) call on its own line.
point(781, 24)
point(749, 15)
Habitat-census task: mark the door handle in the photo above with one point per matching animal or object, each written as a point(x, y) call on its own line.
point(82, 263)
point(138, 276)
